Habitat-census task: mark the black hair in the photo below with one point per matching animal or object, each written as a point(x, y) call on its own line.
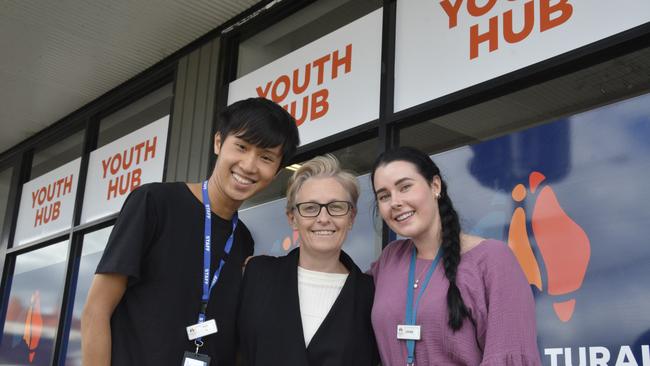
point(263, 123)
point(448, 219)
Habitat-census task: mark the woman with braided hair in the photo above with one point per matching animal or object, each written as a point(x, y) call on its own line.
point(443, 297)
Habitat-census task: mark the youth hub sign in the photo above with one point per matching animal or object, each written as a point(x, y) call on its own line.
point(123, 165)
point(47, 203)
point(329, 85)
point(443, 46)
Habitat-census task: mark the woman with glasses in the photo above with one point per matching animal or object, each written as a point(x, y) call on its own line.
point(311, 307)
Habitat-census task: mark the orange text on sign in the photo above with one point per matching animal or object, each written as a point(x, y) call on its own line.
point(45, 200)
point(119, 166)
point(502, 27)
point(315, 105)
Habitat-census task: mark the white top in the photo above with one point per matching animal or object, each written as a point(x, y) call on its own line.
point(317, 292)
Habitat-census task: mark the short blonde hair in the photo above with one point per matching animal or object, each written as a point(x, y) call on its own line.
point(325, 166)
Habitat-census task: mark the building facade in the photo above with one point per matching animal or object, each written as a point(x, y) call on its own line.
point(537, 112)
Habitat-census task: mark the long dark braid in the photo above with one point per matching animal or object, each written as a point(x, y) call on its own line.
point(448, 219)
point(451, 257)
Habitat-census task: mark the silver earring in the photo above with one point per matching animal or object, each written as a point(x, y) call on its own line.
point(437, 195)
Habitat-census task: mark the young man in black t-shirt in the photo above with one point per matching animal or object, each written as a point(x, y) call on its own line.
point(149, 283)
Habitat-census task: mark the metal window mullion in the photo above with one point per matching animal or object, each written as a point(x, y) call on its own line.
point(170, 123)
point(226, 72)
point(388, 133)
point(10, 216)
point(67, 299)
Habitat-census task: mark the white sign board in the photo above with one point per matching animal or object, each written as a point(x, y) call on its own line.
point(443, 46)
point(47, 203)
point(114, 170)
point(329, 85)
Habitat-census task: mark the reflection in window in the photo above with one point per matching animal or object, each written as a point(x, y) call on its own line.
point(139, 114)
point(299, 29)
point(5, 185)
point(60, 153)
point(93, 248)
point(585, 89)
point(34, 306)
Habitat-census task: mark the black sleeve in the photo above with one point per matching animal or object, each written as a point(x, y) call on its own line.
point(246, 238)
point(131, 237)
point(376, 360)
point(242, 314)
point(251, 276)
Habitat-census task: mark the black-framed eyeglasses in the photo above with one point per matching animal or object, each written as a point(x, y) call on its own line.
point(334, 208)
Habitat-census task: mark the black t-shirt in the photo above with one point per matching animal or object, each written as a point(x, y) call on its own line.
point(157, 242)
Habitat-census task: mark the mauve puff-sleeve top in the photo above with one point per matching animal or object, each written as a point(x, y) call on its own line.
point(500, 331)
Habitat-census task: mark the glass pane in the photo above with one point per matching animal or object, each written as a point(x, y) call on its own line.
point(139, 114)
point(617, 79)
point(34, 306)
point(93, 247)
point(571, 198)
point(273, 235)
point(299, 29)
point(5, 186)
point(57, 154)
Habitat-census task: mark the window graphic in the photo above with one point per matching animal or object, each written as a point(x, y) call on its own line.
point(34, 307)
point(563, 244)
point(291, 241)
point(569, 197)
point(33, 325)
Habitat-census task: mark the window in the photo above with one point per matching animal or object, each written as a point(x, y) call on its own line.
point(48, 199)
point(93, 248)
point(571, 193)
point(131, 152)
point(57, 154)
point(139, 114)
point(5, 186)
point(612, 80)
point(34, 306)
point(299, 29)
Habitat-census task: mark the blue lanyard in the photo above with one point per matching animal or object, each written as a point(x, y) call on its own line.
point(411, 311)
point(207, 285)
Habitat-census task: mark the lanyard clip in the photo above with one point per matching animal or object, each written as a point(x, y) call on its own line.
point(198, 344)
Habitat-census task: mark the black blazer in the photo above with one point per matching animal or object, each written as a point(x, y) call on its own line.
point(270, 326)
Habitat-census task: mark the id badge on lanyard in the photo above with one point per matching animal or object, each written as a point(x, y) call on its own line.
point(202, 328)
point(195, 359)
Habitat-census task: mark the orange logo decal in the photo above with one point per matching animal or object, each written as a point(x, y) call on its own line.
point(33, 325)
point(563, 244)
